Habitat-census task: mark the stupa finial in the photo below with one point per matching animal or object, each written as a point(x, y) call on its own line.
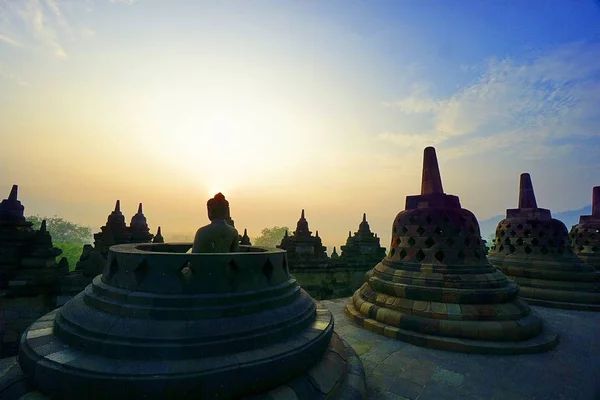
point(140, 209)
point(286, 233)
point(526, 194)
point(364, 217)
point(317, 234)
point(349, 233)
point(245, 232)
point(118, 206)
point(596, 201)
point(43, 226)
point(13, 192)
point(431, 182)
point(302, 215)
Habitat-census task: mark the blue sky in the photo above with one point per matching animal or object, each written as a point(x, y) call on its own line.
point(323, 105)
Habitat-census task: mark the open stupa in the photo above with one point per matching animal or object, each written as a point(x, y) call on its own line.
point(534, 249)
point(436, 288)
point(227, 321)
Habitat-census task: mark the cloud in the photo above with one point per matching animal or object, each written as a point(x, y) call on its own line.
point(128, 2)
point(40, 24)
point(10, 41)
point(532, 102)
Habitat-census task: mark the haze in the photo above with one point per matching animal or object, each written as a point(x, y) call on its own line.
point(284, 105)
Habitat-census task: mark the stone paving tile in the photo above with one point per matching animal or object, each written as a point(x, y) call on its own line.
point(570, 372)
point(438, 391)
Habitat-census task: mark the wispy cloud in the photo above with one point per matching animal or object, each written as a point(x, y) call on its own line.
point(124, 1)
point(532, 102)
point(10, 41)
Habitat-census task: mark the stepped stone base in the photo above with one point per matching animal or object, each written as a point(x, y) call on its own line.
point(544, 341)
point(338, 375)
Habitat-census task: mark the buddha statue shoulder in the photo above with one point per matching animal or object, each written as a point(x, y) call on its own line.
point(218, 236)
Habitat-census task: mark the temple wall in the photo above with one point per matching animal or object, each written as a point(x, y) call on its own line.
point(332, 282)
point(16, 314)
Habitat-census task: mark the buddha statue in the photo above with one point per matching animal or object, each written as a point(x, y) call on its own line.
point(218, 236)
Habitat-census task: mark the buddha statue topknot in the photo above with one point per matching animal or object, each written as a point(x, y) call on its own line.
point(218, 236)
point(585, 236)
point(435, 288)
point(534, 250)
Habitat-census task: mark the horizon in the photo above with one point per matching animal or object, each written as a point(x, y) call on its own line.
point(284, 106)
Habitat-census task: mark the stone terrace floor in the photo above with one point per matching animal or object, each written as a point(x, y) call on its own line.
point(396, 370)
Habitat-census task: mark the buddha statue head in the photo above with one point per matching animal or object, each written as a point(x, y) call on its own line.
point(218, 207)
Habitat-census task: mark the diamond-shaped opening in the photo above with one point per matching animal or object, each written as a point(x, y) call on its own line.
point(429, 242)
point(580, 248)
point(508, 226)
point(392, 252)
point(420, 255)
point(141, 271)
point(593, 236)
point(501, 249)
point(511, 249)
point(528, 249)
point(541, 234)
point(502, 233)
point(544, 250)
point(439, 256)
point(513, 233)
point(507, 241)
point(461, 255)
point(233, 268)
point(586, 242)
point(420, 230)
point(438, 230)
point(411, 241)
point(594, 248)
point(404, 230)
point(520, 226)
point(402, 253)
point(268, 269)
point(113, 267)
point(186, 268)
point(520, 241)
point(535, 242)
point(527, 232)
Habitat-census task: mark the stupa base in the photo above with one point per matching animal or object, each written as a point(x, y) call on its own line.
point(580, 301)
point(58, 370)
point(546, 340)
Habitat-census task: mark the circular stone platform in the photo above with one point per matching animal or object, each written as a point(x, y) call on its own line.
point(162, 323)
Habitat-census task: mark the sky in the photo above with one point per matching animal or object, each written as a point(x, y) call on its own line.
point(282, 105)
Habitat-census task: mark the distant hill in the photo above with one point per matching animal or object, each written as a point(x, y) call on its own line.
point(569, 218)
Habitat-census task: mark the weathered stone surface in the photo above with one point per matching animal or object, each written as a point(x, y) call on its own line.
point(534, 250)
point(436, 288)
point(304, 250)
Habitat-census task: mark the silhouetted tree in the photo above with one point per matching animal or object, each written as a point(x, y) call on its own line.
point(270, 237)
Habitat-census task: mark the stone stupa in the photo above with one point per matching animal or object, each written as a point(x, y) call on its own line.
point(161, 323)
point(436, 288)
point(585, 236)
point(362, 248)
point(534, 249)
point(304, 250)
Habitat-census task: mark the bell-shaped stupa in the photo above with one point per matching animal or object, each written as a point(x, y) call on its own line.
point(534, 249)
point(362, 248)
point(138, 228)
point(436, 288)
point(585, 236)
point(245, 240)
point(304, 250)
